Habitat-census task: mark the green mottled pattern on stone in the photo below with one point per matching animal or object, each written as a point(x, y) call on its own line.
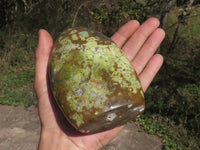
point(90, 76)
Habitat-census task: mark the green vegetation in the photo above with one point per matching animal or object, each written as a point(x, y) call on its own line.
point(16, 88)
point(172, 100)
point(17, 68)
point(175, 136)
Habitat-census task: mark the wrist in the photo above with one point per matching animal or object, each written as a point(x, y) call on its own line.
point(55, 141)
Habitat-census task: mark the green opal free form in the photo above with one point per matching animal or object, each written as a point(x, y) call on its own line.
point(93, 83)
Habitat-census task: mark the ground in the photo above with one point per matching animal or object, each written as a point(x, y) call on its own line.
point(20, 129)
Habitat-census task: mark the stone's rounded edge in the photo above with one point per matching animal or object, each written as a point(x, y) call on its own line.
point(50, 84)
point(112, 119)
point(74, 38)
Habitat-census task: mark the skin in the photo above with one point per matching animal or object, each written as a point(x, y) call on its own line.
point(138, 43)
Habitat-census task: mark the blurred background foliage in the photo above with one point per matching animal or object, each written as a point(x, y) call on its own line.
point(172, 100)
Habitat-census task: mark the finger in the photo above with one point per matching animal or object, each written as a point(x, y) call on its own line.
point(150, 70)
point(122, 35)
point(135, 42)
point(148, 49)
point(45, 44)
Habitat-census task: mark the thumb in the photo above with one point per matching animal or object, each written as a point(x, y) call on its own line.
point(45, 43)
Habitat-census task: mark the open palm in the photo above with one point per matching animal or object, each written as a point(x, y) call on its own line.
point(138, 43)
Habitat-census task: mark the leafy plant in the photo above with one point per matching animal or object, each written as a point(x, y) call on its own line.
point(174, 136)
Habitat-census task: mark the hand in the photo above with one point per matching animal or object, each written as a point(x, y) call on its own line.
point(138, 43)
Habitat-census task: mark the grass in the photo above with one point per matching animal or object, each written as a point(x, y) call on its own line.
point(17, 88)
point(174, 136)
point(17, 69)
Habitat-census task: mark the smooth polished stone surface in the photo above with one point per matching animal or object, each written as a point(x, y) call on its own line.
point(92, 81)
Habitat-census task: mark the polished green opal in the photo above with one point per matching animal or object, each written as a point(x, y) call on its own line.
point(94, 84)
